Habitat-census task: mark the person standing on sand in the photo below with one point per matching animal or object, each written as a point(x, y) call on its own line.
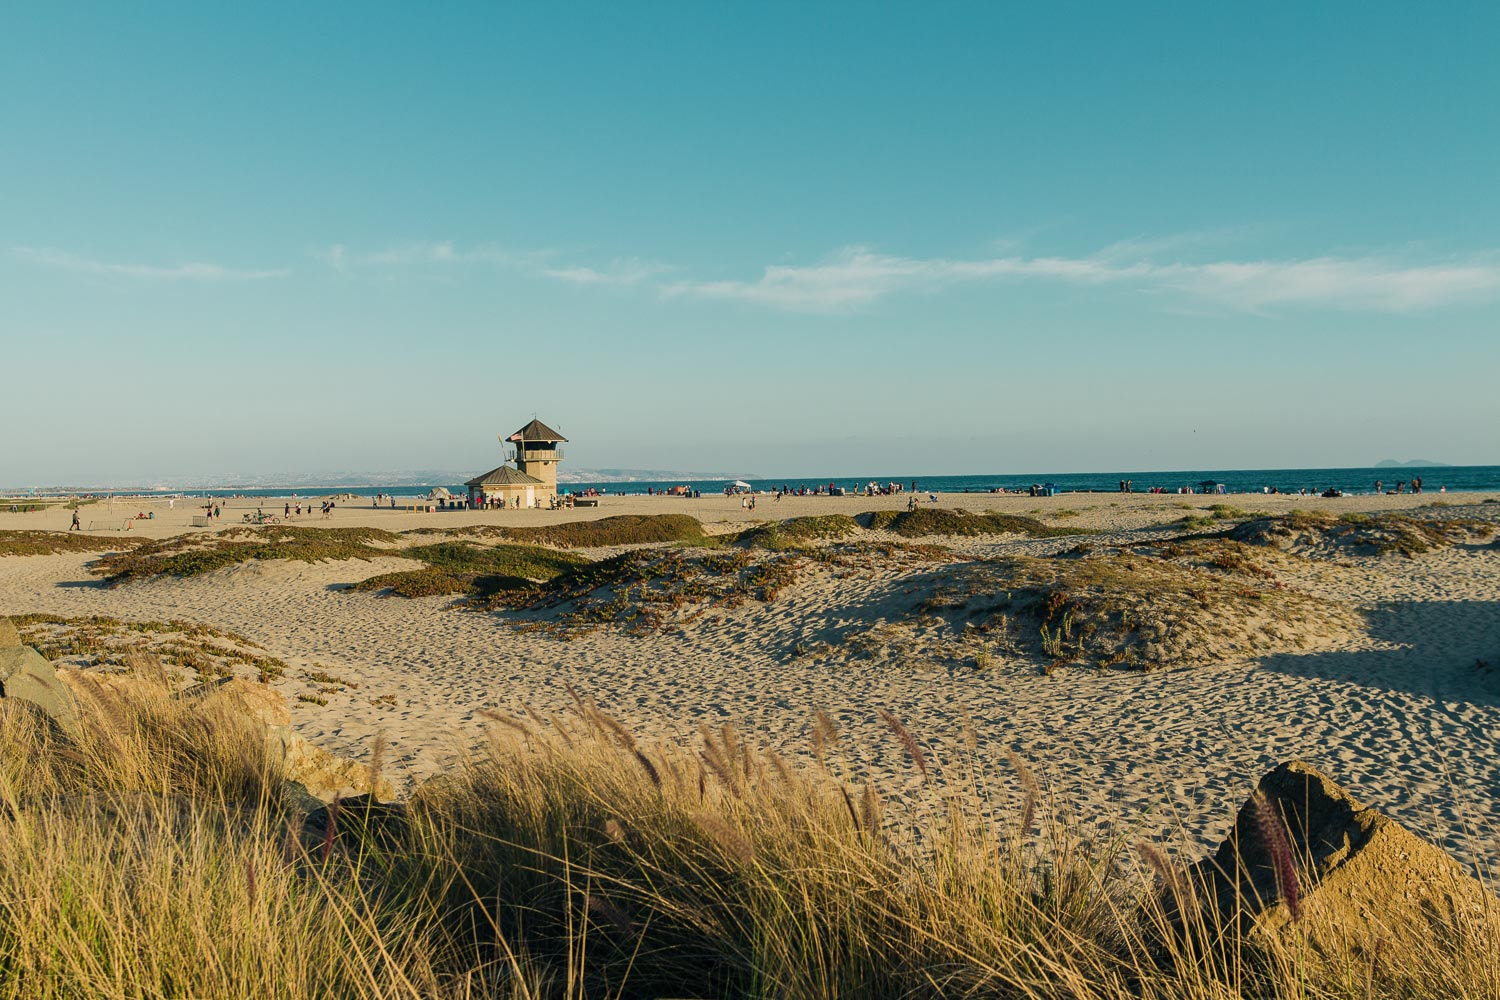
point(76, 525)
point(1378, 484)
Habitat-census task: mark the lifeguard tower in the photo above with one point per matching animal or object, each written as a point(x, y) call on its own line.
point(532, 479)
point(537, 454)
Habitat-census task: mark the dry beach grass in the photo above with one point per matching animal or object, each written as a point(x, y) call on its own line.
point(152, 852)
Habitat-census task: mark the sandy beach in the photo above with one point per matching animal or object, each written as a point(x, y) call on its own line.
point(1405, 708)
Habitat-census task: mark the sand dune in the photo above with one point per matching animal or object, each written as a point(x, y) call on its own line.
point(1398, 709)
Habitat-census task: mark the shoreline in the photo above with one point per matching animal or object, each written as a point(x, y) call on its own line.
point(984, 482)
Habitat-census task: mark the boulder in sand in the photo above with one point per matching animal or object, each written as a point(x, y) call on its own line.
point(315, 776)
point(26, 675)
point(238, 696)
point(1346, 876)
point(9, 637)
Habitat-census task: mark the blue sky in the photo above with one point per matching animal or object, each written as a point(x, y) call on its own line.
point(782, 239)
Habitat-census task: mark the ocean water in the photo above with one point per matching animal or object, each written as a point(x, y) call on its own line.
point(1457, 479)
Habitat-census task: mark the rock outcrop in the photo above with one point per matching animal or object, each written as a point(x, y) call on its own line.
point(27, 676)
point(315, 776)
point(1345, 876)
point(9, 637)
point(238, 696)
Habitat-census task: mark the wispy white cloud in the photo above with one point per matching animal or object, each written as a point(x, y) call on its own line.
point(192, 271)
point(627, 271)
point(858, 276)
point(1363, 283)
point(428, 254)
point(436, 256)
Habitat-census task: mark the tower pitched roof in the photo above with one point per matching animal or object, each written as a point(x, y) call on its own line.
point(536, 431)
point(504, 476)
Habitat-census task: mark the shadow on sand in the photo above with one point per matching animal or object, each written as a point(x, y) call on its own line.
point(1444, 650)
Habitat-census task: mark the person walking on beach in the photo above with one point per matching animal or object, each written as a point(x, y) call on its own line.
point(1378, 484)
point(76, 525)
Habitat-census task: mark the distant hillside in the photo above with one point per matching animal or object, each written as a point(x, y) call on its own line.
point(1415, 463)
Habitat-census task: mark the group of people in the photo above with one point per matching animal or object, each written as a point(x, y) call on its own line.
point(807, 491)
point(486, 502)
point(288, 510)
point(874, 489)
point(1416, 486)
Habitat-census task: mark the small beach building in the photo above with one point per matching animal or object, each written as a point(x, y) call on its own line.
point(533, 478)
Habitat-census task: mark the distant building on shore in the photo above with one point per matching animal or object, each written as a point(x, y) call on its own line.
point(533, 478)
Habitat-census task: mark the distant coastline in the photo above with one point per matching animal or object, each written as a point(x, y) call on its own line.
point(1455, 478)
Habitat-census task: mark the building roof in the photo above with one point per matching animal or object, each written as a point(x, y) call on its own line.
point(505, 476)
point(536, 431)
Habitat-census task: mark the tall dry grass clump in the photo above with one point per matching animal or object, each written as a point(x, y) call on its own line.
point(738, 873)
point(151, 853)
point(148, 854)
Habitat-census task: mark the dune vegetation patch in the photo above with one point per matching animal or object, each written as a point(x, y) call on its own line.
point(657, 589)
point(797, 532)
point(49, 543)
point(647, 590)
point(604, 532)
point(935, 521)
point(196, 554)
point(1324, 536)
point(1213, 515)
point(1215, 554)
point(110, 644)
point(1135, 610)
point(467, 568)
